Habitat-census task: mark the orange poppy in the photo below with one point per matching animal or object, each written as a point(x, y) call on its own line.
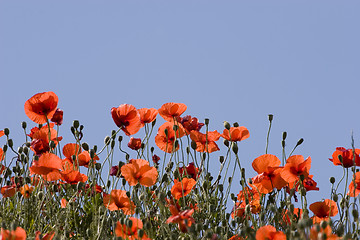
point(268, 178)
point(127, 118)
point(236, 134)
point(48, 236)
point(348, 157)
point(310, 184)
point(118, 200)
point(40, 138)
point(354, 190)
point(63, 203)
point(48, 164)
point(147, 115)
point(235, 237)
point(82, 157)
point(171, 110)
point(191, 124)
point(2, 133)
point(41, 107)
point(8, 191)
point(18, 234)
point(323, 210)
point(295, 216)
point(73, 176)
point(139, 171)
point(205, 142)
point(180, 217)
point(295, 167)
point(248, 194)
point(166, 142)
point(314, 234)
point(183, 188)
point(130, 233)
point(26, 190)
point(190, 170)
point(1, 154)
point(134, 143)
point(269, 232)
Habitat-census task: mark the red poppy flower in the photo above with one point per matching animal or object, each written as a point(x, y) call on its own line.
point(130, 233)
point(310, 184)
point(139, 171)
point(41, 107)
point(166, 142)
point(269, 232)
point(294, 167)
point(236, 134)
point(171, 110)
point(1, 154)
point(348, 157)
point(268, 178)
point(2, 133)
point(82, 158)
point(73, 176)
point(48, 164)
point(190, 170)
point(8, 191)
point(127, 118)
point(191, 124)
point(147, 115)
point(205, 142)
point(26, 190)
point(118, 200)
point(180, 217)
point(40, 138)
point(18, 234)
point(354, 190)
point(323, 210)
point(134, 143)
point(57, 118)
point(183, 188)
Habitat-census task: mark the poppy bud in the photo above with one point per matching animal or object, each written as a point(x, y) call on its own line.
point(107, 140)
point(123, 181)
point(92, 153)
point(120, 138)
point(113, 134)
point(226, 142)
point(270, 117)
point(20, 150)
point(283, 143)
point(95, 148)
point(193, 145)
point(10, 143)
point(332, 180)
point(26, 150)
point(76, 124)
point(340, 230)
point(52, 144)
point(301, 140)
point(112, 145)
point(206, 120)
point(229, 179)
point(235, 124)
point(5, 147)
point(227, 125)
point(284, 135)
point(23, 125)
point(235, 148)
point(221, 159)
point(164, 178)
point(40, 195)
point(153, 123)
point(140, 233)
point(221, 187)
point(166, 131)
point(355, 214)
point(6, 131)
point(72, 130)
point(98, 166)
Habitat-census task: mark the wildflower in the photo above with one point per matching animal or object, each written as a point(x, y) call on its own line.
point(156, 159)
point(114, 171)
point(73, 176)
point(191, 124)
point(63, 203)
point(40, 138)
point(2, 133)
point(310, 184)
point(295, 167)
point(26, 190)
point(349, 157)
point(183, 218)
point(323, 210)
point(205, 142)
point(131, 233)
point(171, 111)
point(236, 134)
point(314, 234)
point(48, 166)
point(41, 107)
point(183, 188)
point(18, 234)
point(268, 178)
point(166, 142)
point(57, 118)
point(147, 115)
point(269, 232)
point(354, 187)
point(8, 191)
point(134, 143)
point(127, 118)
point(118, 200)
point(139, 171)
point(190, 170)
point(82, 158)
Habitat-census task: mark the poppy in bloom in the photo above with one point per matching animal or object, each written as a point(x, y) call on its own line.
point(183, 188)
point(48, 163)
point(114, 171)
point(156, 159)
point(269, 232)
point(8, 191)
point(1, 154)
point(180, 217)
point(139, 171)
point(268, 178)
point(147, 115)
point(190, 170)
point(354, 189)
point(73, 176)
point(314, 233)
point(2, 133)
point(171, 110)
point(310, 184)
point(134, 143)
point(323, 210)
point(205, 142)
point(82, 158)
point(166, 142)
point(63, 203)
point(236, 134)
point(127, 118)
point(118, 200)
point(57, 118)
point(348, 157)
point(130, 233)
point(295, 216)
point(191, 124)
point(40, 138)
point(18, 234)
point(41, 107)
point(26, 190)
point(295, 167)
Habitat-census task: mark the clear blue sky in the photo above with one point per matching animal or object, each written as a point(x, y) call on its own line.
point(226, 60)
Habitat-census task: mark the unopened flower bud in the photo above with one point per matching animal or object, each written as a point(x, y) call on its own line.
point(221, 159)
point(284, 135)
point(235, 124)
point(98, 166)
point(227, 125)
point(10, 143)
point(226, 142)
point(23, 125)
point(301, 140)
point(85, 146)
point(332, 180)
point(193, 145)
point(76, 124)
point(270, 116)
point(6, 131)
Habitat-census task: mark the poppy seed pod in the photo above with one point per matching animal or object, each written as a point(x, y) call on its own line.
point(301, 140)
point(206, 120)
point(271, 117)
point(6, 131)
point(332, 180)
point(76, 124)
point(284, 135)
point(226, 125)
point(226, 142)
